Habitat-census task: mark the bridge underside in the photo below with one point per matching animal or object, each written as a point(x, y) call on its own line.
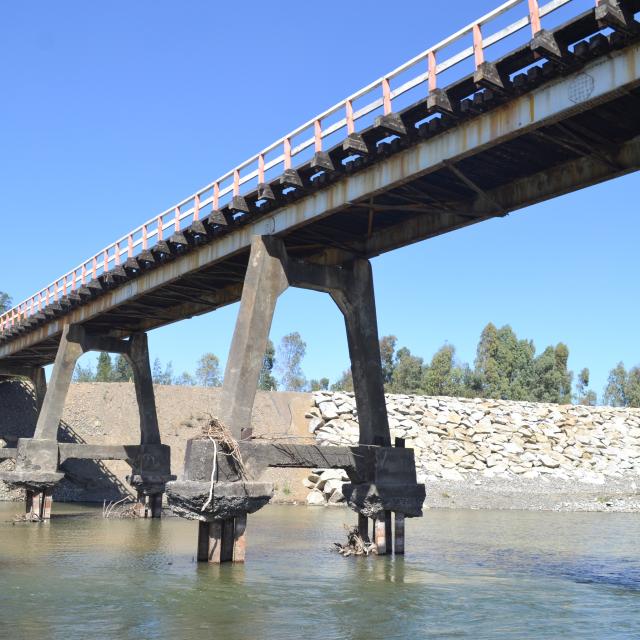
point(549, 130)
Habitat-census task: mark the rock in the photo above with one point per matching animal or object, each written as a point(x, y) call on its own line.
point(315, 423)
point(316, 499)
point(337, 499)
point(512, 447)
point(452, 474)
point(549, 462)
point(328, 410)
point(330, 486)
point(327, 475)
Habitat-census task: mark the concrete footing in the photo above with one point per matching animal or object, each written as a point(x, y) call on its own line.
point(38, 504)
point(148, 506)
point(222, 540)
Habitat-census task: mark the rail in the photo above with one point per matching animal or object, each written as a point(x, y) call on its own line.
point(253, 170)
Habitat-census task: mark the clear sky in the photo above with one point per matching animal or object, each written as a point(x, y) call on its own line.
point(112, 112)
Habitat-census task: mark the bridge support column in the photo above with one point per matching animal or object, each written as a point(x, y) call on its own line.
point(264, 281)
point(270, 271)
point(37, 458)
point(148, 476)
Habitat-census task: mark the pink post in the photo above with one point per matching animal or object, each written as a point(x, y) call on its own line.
point(287, 153)
point(432, 70)
point(216, 196)
point(350, 124)
point(196, 206)
point(477, 45)
point(386, 96)
point(236, 182)
point(534, 16)
point(317, 133)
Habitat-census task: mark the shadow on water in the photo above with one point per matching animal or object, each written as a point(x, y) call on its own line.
point(85, 480)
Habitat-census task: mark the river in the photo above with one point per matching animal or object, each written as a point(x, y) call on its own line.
point(467, 574)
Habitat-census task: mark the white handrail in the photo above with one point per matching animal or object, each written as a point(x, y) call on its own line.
point(114, 253)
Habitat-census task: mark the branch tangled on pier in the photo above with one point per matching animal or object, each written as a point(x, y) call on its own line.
point(26, 517)
point(356, 545)
point(218, 432)
point(123, 508)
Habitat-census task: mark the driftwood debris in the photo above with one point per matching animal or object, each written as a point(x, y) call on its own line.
point(124, 508)
point(355, 546)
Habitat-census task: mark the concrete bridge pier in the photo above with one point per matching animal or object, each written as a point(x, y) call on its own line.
point(38, 459)
point(270, 271)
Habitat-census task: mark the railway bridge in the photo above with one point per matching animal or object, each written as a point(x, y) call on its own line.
point(404, 159)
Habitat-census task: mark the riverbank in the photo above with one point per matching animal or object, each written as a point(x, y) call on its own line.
point(495, 454)
point(471, 454)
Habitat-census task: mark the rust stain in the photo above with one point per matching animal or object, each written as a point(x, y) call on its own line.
point(532, 109)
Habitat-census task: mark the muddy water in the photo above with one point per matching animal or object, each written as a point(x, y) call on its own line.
point(467, 574)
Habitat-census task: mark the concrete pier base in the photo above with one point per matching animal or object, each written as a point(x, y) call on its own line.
point(38, 504)
point(222, 540)
point(363, 527)
point(380, 533)
point(399, 534)
point(148, 506)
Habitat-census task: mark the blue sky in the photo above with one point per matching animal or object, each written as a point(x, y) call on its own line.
point(112, 112)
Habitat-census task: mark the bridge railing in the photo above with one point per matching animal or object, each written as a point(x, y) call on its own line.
point(281, 154)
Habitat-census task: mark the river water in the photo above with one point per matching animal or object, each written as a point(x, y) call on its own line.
point(467, 574)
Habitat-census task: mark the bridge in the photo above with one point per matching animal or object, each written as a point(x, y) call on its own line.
point(404, 159)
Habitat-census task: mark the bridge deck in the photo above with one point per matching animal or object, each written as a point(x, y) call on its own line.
point(554, 128)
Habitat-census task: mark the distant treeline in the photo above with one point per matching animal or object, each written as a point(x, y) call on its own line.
point(505, 367)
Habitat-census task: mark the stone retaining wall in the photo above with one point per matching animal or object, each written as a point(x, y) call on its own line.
point(460, 439)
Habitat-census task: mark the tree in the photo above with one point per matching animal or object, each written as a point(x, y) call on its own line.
point(122, 371)
point(407, 373)
point(291, 352)
point(551, 379)
point(387, 358)
point(584, 395)
point(167, 375)
point(632, 391)
point(208, 370)
point(444, 377)
point(319, 385)
point(104, 369)
point(5, 302)
point(344, 382)
point(156, 372)
point(615, 393)
point(504, 364)
point(186, 380)
point(267, 381)
point(84, 373)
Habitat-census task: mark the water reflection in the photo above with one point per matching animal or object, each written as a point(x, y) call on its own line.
point(466, 575)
